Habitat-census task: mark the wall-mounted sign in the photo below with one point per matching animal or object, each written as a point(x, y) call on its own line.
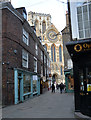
point(35, 77)
point(44, 79)
point(82, 47)
point(89, 87)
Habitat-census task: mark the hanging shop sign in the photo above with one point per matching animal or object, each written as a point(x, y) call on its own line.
point(82, 47)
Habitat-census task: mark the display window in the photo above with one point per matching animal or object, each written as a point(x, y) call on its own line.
point(34, 86)
point(70, 82)
point(26, 83)
point(85, 80)
point(35, 79)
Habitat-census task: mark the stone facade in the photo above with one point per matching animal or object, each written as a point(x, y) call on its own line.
point(50, 36)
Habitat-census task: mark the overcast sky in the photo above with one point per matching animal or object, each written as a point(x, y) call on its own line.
point(56, 8)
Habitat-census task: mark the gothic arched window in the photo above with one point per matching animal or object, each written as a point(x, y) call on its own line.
point(43, 27)
point(36, 25)
point(53, 53)
point(60, 54)
point(61, 70)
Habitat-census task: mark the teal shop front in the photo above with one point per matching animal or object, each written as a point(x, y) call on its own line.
point(69, 80)
point(26, 85)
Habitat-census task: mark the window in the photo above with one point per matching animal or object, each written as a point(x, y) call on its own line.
point(52, 67)
point(43, 27)
point(25, 37)
point(24, 58)
point(60, 54)
point(36, 49)
point(53, 53)
point(41, 55)
point(56, 67)
point(61, 70)
point(26, 83)
point(35, 64)
point(43, 38)
point(36, 25)
point(24, 15)
point(84, 18)
point(44, 59)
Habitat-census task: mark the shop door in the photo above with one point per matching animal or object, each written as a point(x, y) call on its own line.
point(19, 89)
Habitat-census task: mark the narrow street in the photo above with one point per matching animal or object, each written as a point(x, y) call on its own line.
point(47, 105)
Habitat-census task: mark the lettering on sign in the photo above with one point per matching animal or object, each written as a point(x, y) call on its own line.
point(82, 47)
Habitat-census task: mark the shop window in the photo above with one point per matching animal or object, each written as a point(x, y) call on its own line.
point(35, 83)
point(26, 83)
point(70, 82)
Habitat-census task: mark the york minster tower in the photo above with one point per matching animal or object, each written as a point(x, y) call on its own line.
point(52, 42)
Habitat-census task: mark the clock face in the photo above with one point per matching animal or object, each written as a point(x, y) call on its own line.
point(51, 35)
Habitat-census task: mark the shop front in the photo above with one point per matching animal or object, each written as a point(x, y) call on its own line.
point(80, 52)
point(69, 80)
point(26, 85)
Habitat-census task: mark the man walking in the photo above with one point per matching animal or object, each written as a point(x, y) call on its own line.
point(61, 87)
point(53, 88)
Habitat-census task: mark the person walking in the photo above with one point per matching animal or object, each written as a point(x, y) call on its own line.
point(61, 87)
point(53, 88)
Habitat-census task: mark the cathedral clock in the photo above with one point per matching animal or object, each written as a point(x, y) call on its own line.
point(52, 35)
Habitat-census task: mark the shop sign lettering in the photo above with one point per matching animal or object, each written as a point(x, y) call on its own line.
point(82, 47)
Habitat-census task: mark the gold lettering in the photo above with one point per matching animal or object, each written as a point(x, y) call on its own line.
point(78, 48)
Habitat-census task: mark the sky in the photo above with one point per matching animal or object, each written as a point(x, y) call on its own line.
point(56, 8)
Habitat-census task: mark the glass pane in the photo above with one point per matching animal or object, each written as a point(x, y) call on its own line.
point(54, 55)
point(79, 10)
point(81, 35)
point(26, 83)
point(81, 80)
point(80, 26)
point(85, 16)
point(86, 25)
point(85, 8)
point(79, 18)
point(34, 86)
point(87, 33)
point(89, 7)
point(90, 16)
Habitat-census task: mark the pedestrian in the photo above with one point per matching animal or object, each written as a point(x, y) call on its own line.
point(61, 87)
point(65, 88)
point(57, 86)
point(53, 88)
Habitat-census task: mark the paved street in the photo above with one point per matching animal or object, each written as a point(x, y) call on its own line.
point(48, 105)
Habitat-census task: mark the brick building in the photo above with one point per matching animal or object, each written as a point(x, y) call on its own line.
point(24, 60)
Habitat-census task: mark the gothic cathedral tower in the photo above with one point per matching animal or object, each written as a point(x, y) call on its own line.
point(52, 42)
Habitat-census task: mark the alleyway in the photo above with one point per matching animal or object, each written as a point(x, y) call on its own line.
point(48, 105)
